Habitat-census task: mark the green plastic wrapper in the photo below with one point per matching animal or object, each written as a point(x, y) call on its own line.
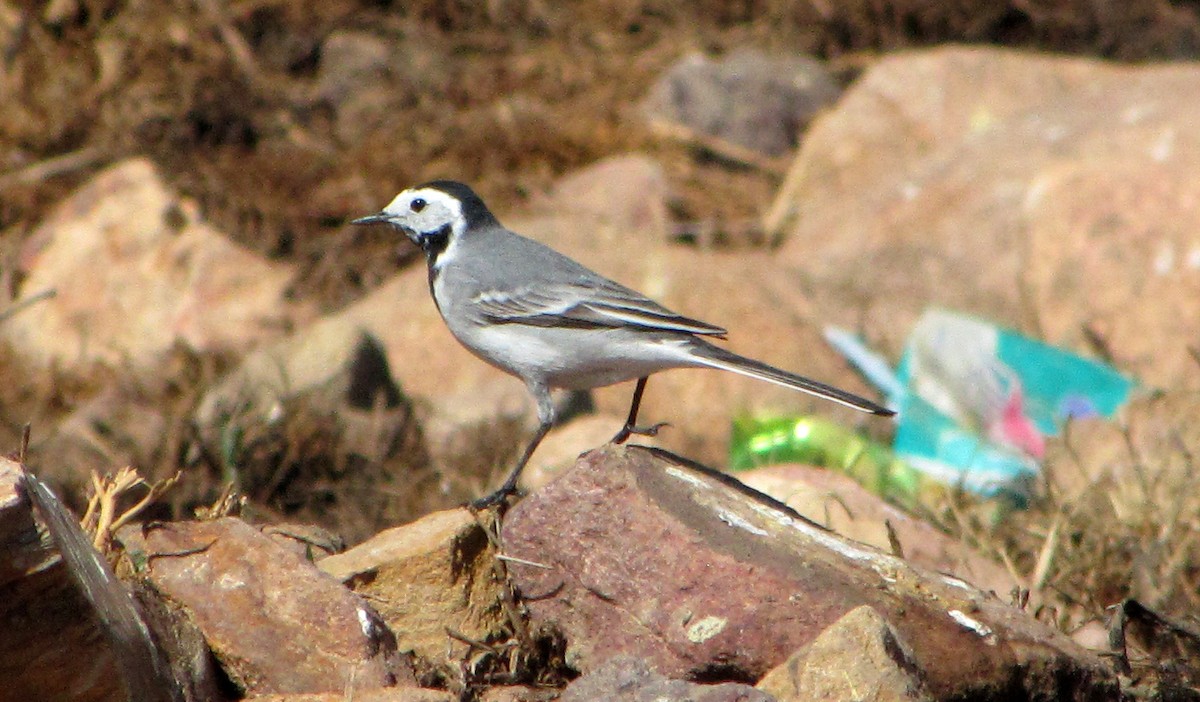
point(760, 441)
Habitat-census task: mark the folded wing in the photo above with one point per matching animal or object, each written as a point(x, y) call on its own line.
point(605, 305)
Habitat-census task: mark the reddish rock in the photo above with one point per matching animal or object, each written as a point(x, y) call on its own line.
point(616, 202)
point(651, 557)
point(275, 623)
point(628, 679)
point(562, 447)
point(52, 646)
point(1053, 194)
point(839, 504)
point(135, 270)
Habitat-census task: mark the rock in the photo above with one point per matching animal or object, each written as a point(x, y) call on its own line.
point(274, 622)
point(52, 647)
point(380, 694)
point(750, 98)
point(682, 566)
point(365, 78)
point(364, 465)
point(617, 202)
point(841, 505)
point(425, 577)
point(354, 66)
point(1051, 194)
point(56, 643)
point(859, 657)
point(135, 270)
point(561, 448)
point(350, 59)
point(428, 362)
point(627, 679)
point(518, 693)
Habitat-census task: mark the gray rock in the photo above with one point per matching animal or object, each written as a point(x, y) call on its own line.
point(756, 100)
point(365, 77)
point(627, 679)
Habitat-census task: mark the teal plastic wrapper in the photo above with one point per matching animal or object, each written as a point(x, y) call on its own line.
point(980, 399)
point(976, 401)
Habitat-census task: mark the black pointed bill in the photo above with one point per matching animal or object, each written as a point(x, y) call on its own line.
point(377, 218)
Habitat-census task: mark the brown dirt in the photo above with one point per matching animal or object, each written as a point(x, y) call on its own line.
point(508, 95)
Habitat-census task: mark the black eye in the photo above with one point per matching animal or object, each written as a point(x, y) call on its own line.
point(417, 204)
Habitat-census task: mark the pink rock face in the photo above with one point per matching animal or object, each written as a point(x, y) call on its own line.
point(275, 622)
point(134, 270)
point(682, 566)
point(1018, 186)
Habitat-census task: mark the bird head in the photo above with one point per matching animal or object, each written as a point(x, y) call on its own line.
point(434, 214)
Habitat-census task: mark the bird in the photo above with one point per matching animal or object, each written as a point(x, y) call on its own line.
point(536, 314)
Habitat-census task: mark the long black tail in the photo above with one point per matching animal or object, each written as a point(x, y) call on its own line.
point(716, 357)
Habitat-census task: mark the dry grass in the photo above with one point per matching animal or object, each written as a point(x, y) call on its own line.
point(1119, 519)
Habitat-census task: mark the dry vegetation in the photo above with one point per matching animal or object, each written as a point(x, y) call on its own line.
point(507, 94)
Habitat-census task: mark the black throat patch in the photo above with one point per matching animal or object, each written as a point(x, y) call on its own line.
point(435, 243)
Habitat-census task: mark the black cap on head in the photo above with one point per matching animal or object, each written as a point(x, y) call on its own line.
point(473, 207)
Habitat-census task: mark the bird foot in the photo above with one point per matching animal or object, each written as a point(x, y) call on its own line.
point(627, 431)
point(495, 499)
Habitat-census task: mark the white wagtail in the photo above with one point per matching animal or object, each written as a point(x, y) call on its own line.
point(536, 314)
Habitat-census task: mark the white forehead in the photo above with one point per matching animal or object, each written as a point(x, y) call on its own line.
point(402, 203)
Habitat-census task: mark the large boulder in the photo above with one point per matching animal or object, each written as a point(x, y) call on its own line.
point(1053, 194)
point(133, 269)
point(274, 621)
point(638, 553)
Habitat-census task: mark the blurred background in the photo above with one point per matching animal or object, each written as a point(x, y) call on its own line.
point(180, 291)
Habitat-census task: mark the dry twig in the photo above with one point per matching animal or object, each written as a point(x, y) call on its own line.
point(101, 520)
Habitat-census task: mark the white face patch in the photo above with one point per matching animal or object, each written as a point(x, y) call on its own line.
point(425, 211)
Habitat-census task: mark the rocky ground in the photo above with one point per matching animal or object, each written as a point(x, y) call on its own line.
point(181, 294)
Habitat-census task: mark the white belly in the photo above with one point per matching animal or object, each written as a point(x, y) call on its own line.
point(571, 358)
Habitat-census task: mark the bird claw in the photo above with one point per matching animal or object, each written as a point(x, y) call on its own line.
point(495, 499)
point(627, 431)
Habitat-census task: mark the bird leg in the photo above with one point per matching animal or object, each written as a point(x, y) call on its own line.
point(631, 426)
point(546, 412)
point(510, 483)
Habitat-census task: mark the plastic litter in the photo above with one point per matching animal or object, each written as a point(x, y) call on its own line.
point(975, 402)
